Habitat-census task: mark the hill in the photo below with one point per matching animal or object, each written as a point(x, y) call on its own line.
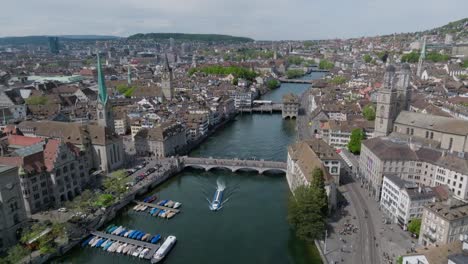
point(190, 37)
point(459, 28)
point(42, 40)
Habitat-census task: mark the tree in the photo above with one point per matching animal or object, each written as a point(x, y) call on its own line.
point(411, 57)
point(437, 57)
point(36, 100)
point(326, 65)
point(465, 64)
point(399, 260)
point(308, 208)
point(116, 184)
point(104, 200)
point(367, 58)
point(295, 60)
point(294, 73)
point(354, 145)
point(369, 112)
point(415, 226)
point(15, 254)
point(273, 84)
point(337, 80)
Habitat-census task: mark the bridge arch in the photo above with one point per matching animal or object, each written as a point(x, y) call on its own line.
point(246, 169)
point(272, 170)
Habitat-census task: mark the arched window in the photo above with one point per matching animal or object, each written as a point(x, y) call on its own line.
point(101, 116)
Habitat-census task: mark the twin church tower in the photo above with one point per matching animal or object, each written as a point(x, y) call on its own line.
point(393, 97)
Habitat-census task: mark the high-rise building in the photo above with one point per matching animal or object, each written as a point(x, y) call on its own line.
point(104, 108)
point(54, 45)
point(166, 80)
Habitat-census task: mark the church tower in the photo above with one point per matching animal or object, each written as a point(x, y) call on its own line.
point(403, 89)
point(386, 104)
point(129, 76)
point(104, 108)
point(166, 80)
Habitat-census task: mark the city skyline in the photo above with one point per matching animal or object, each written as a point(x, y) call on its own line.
point(259, 19)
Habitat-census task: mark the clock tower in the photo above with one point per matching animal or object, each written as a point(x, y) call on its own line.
point(104, 108)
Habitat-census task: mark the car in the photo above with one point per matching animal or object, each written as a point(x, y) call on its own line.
point(62, 210)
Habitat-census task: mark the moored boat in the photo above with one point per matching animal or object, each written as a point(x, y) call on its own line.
point(177, 205)
point(164, 249)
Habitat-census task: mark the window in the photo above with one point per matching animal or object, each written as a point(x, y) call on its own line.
point(412, 131)
point(427, 134)
point(407, 130)
point(432, 135)
point(450, 143)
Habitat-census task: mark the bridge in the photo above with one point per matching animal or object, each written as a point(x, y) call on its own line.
point(285, 80)
point(233, 165)
point(262, 108)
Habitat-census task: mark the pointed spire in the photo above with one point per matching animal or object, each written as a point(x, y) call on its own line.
point(129, 76)
point(166, 63)
point(101, 82)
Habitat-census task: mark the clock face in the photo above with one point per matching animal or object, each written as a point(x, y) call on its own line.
point(99, 106)
point(9, 186)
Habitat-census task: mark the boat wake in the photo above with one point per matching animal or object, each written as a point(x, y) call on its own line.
point(221, 196)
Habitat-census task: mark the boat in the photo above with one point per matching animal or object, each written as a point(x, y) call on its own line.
point(112, 229)
point(132, 250)
point(125, 250)
point(93, 241)
point(98, 244)
point(169, 204)
point(164, 249)
point(156, 212)
point(217, 200)
point(86, 242)
point(155, 239)
point(162, 203)
point(152, 211)
point(117, 230)
point(122, 232)
point(135, 207)
point(127, 233)
point(144, 208)
point(143, 253)
point(135, 234)
point(119, 250)
point(177, 205)
point(162, 213)
point(145, 237)
point(140, 236)
point(109, 227)
point(107, 245)
point(137, 252)
point(170, 215)
point(114, 247)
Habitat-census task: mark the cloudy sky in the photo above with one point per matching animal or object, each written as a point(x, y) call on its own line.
point(259, 19)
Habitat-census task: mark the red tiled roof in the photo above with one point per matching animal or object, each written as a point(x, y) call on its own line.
point(23, 140)
point(50, 153)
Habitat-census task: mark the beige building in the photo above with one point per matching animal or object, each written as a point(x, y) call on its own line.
point(290, 106)
point(338, 133)
point(448, 133)
point(412, 162)
point(443, 222)
point(12, 212)
point(104, 148)
point(161, 141)
point(302, 160)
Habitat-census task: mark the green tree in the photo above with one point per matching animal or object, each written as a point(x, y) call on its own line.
point(354, 145)
point(307, 209)
point(36, 100)
point(15, 254)
point(326, 65)
point(273, 84)
point(294, 73)
point(337, 80)
point(369, 112)
point(399, 260)
point(367, 58)
point(437, 57)
point(295, 60)
point(116, 183)
point(411, 57)
point(415, 226)
point(465, 64)
point(104, 200)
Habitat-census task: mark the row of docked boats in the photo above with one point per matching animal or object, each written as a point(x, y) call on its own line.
point(163, 213)
point(118, 247)
point(132, 234)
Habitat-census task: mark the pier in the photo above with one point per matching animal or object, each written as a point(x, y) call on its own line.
point(153, 247)
point(285, 80)
point(159, 207)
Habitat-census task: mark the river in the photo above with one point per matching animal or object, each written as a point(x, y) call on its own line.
point(252, 226)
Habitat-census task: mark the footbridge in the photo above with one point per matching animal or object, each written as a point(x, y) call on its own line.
point(234, 165)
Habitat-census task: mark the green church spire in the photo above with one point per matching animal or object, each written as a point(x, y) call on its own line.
point(129, 76)
point(101, 82)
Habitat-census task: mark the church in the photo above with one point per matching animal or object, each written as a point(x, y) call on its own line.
point(103, 147)
point(393, 116)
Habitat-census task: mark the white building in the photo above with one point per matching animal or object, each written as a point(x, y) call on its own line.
point(403, 201)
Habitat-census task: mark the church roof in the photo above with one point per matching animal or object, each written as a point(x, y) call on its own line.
point(431, 122)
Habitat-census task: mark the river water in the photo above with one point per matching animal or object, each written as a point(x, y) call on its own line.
point(251, 227)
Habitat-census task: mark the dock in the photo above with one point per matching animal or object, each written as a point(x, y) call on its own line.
point(159, 207)
point(153, 247)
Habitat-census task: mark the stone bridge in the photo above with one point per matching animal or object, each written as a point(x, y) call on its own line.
point(234, 165)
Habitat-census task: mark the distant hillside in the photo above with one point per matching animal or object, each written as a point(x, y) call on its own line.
point(190, 37)
point(42, 40)
point(459, 27)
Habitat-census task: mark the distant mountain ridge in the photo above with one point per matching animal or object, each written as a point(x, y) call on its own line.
point(42, 40)
point(190, 37)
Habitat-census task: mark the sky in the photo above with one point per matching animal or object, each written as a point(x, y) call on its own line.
point(258, 19)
